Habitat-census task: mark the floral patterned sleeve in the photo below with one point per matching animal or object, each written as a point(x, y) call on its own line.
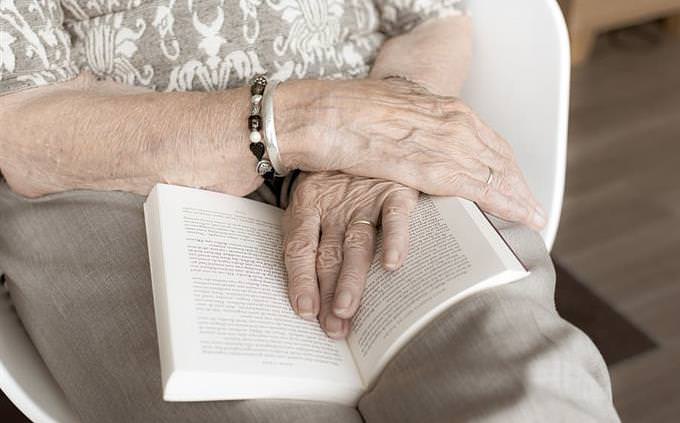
point(34, 48)
point(400, 16)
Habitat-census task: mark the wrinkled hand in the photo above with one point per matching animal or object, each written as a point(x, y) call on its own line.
point(396, 130)
point(327, 256)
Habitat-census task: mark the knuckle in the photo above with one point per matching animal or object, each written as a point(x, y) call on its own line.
point(461, 105)
point(506, 186)
point(352, 279)
point(461, 117)
point(500, 177)
point(468, 162)
point(486, 192)
point(504, 182)
point(505, 148)
point(329, 257)
point(394, 214)
point(455, 120)
point(504, 162)
point(358, 238)
point(457, 179)
point(505, 209)
point(452, 104)
point(302, 282)
point(469, 120)
point(506, 189)
point(481, 150)
point(439, 106)
point(298, 247)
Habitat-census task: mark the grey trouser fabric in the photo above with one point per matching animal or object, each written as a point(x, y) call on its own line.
point(77, 269)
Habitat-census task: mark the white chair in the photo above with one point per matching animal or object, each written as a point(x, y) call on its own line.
point(519, 84)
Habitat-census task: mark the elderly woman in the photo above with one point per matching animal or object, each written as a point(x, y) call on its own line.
point(102, 99)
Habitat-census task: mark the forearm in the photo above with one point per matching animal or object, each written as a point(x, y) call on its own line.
point(88, 134)
point(435, 54)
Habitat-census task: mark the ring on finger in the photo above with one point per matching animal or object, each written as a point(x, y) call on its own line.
point(489, 180)
point(362, 222)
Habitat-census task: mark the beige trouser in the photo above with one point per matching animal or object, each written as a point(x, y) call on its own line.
point(77, 269)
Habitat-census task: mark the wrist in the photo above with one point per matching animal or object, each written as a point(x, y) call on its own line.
point(305, 112)
point(207, 144)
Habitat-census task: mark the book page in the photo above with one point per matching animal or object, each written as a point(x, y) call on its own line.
point(227, 294)
point(454, 251)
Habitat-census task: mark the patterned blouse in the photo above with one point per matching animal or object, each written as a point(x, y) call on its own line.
point(201, 45)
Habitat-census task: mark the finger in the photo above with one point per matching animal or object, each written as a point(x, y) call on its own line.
point(510, 182)
point(328, 263)
point(507, 180)
point(507, 176)
point(396, 211)
point(358, 250)
point(300, 246)
point(493, 201)
point(516, 182)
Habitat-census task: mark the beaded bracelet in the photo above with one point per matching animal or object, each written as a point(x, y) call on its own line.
point(264, 166)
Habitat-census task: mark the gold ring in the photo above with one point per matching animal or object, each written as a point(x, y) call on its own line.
point(362, 222)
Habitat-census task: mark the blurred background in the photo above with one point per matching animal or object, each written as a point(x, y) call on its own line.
point(619, 237)
point(617, 252)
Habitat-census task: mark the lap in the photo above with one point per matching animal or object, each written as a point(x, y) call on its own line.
point(503, 355)
point(77, 270)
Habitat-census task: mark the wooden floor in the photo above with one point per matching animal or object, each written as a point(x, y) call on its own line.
point(620, 228)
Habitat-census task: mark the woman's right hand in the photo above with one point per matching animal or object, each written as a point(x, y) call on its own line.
point(394, 129)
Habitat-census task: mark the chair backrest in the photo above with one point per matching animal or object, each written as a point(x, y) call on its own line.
point(519, 85)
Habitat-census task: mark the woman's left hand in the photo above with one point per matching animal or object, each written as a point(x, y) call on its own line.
point(329, 241)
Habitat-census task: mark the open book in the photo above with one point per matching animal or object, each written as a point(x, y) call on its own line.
point(227, 331)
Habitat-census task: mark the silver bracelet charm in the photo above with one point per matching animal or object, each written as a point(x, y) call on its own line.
point(269, 130)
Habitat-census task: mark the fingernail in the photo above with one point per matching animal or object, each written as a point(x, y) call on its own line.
point(334, 326)
point(391, 259)
point(305, 307)
point(342, 302)
point(538, 219)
